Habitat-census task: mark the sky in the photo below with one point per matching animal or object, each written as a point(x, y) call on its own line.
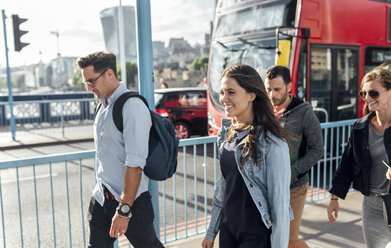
point(80, 29)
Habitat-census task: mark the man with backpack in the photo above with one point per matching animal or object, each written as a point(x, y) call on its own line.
point(307, 147)
point(121, 203)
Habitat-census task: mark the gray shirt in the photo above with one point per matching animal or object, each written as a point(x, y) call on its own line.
point(115, 150)
point(378, 183)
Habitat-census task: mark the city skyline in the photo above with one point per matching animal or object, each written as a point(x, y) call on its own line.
point(80, 28)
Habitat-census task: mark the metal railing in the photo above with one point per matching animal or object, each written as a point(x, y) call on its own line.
point(52, 114)
point(335, 138)
point(49, 195)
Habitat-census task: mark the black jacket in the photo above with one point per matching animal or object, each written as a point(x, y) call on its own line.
point(356, 162)
point(307, 149)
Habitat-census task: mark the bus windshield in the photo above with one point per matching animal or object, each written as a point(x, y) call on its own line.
point(250, 19)
point(260, 55)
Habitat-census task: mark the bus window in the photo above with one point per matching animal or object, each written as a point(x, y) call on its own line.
point(302, 73)
point(259, 55)
point(334, 83)
point(243, 21)
point(375, 56)
point(228, 3)
point(320, 82)
point(347, 83)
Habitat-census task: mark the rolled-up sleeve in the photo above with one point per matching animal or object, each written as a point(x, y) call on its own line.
point(278, 182)
point(137, 124)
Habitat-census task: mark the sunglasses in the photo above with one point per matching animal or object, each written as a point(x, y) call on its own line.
point(372, 93)
point(92, 81)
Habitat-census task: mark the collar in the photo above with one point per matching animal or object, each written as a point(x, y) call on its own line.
point(242, 134)
point(226, 123)
point(294, 102)
point(364, 121)
point(117, 93)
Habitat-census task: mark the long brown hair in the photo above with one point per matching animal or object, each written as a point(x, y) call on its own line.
point(249, 79)
point(381, 73)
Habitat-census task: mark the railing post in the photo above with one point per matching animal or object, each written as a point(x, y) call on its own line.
point(62, 119)
point(146, 86)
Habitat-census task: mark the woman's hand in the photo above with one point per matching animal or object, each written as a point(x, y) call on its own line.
point(332, 210)
point(388, 174)
point(206, 243)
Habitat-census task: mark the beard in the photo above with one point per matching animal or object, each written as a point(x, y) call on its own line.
point(278, 102)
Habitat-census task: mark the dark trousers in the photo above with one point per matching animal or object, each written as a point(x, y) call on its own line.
point(140, 232)
point(245, 240)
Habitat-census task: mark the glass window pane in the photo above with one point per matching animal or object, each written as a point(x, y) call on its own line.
point(347, 82)
point(171, 101)
point(375, 56)
point(158, 99)
point(254, 55)
point(302, 73)
point(250, 19)
point(320, 78)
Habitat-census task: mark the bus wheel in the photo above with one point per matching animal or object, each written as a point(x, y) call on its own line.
point(182, 130)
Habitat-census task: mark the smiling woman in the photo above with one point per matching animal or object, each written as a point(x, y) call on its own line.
point(373, 85)
point(248, 210)
point(362, 163)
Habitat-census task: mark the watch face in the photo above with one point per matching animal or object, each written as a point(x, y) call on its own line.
point(125, 208)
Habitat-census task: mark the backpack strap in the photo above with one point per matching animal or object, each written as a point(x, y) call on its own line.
point(118, 106)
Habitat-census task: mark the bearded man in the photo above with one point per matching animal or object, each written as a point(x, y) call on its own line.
point(305, 151)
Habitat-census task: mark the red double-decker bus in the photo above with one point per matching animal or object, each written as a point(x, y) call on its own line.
point(328, 44)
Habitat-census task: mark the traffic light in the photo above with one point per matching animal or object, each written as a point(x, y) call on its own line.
point(18, 33)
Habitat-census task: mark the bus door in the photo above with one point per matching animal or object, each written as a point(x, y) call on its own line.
point(333, 82)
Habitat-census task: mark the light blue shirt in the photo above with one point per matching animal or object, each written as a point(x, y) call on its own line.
point(115, 150)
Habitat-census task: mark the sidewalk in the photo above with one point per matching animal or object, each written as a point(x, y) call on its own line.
point(316, 229)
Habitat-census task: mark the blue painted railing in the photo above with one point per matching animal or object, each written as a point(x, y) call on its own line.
point(48, 108)
point(57, 114)
point(49, 195)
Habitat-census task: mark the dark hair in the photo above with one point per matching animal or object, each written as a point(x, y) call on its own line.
point(249, 79)
point(278, 70)
point(381, 73)
point(100, 61)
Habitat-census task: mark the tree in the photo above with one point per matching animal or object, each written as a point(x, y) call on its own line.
point(77, 81)
point(200, 63)
point(131, 72)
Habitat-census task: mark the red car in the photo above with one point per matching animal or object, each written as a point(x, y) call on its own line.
point(186, 107)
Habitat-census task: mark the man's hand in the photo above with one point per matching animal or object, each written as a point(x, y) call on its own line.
point(206, 243)
point(119, 225)
point(333, 208)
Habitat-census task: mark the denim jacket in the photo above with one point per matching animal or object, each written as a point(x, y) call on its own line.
point(267, 181)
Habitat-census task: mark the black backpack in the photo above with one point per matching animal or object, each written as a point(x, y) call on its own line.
point(163, 143)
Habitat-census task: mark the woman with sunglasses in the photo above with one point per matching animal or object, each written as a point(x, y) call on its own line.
point(362, 161)
point(251, 201)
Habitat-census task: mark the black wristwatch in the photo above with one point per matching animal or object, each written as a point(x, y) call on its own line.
point(124, 210)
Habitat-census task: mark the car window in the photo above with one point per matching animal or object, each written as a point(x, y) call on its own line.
point(183, 99)
point(201, 99)
point(171, 100)
point(195, 99)
point(158, 99)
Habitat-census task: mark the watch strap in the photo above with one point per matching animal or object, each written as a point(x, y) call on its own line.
point(124, 214)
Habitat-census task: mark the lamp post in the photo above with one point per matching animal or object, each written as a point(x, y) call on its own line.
point(58, 41)
point(122, 42)
point(9, 83)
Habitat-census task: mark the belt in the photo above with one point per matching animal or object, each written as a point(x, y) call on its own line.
point(108, 195)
